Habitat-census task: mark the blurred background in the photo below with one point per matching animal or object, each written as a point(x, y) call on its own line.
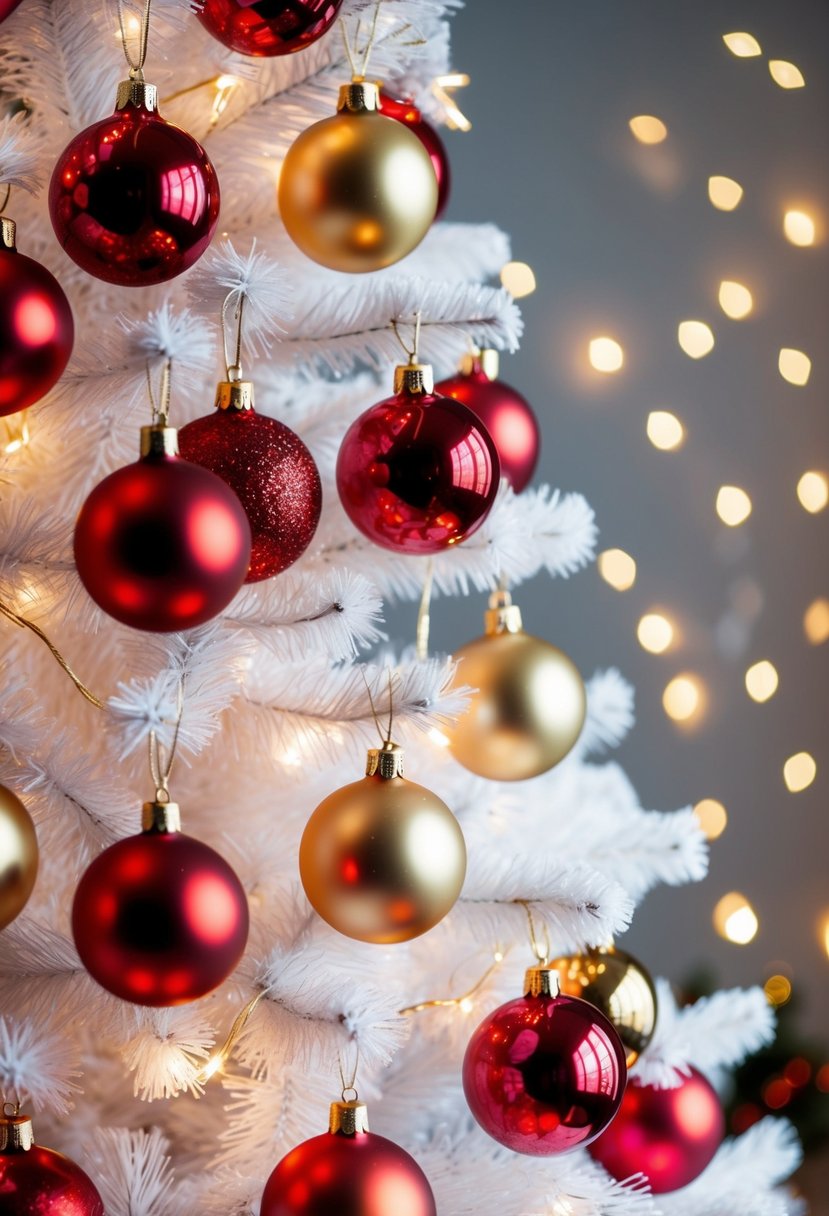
point(662, 171)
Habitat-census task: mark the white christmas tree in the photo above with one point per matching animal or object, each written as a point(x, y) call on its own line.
point(269, 706)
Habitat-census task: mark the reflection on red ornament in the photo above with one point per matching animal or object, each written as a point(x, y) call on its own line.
point(268, 27)
point(406, 111)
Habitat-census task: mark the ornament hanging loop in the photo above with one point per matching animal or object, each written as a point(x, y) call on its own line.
point(423, 613)
point(6, 197)
point(351, 52)
point(13, 1112)
point(160, 770)
point(412, 355)
point(135, 63)
point(349, 1086)
point(541, 949)
point(234, 368)
point(161, 408)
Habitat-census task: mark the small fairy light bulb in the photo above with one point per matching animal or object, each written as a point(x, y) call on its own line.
point(617, 568)
point(655, 632)
point(786, 75)
point(712, 817)
point(724, 193)
point(735, 299)
point(648, 129)
point(606, 355)
point(799, 228)
point(816, 622)
point(733, 505)
point(794, 366)
point(735, 919)
point(696, 338)
point(813, 491)
point(665, 430)
point(518, 279)
point(743, 45)
point(684, 698)
point(799, 772)
point(762, 681)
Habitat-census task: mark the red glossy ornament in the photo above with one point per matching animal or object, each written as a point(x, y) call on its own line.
point(417, 472)
point(162, 544)
point(350, 1173)
point(406, 111)
point(37, 1181)
point(670, 1135)
point(160, 918)
point(271, 471)
point(544, 1074)
point(507, 415)
point(134, 200)
point(7, 7)
point(36, 327)
point(268, 27)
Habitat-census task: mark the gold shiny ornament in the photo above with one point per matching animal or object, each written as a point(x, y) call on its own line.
point(619, 986)
point(529, 705)
point(383, 859)
point(18, 856)
point(357, 191)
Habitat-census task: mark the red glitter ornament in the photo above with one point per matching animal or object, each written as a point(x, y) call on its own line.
point(37, 1181)
point(407, 112)
point(544, 1074)
point(348, 1171)
point(417, 472)
point(268, 467)
point(134, 200)
point(160, 918)
point(507, 415)
point(669, 1135)
point(268, 27)
point(36, 327)
point(162, 544)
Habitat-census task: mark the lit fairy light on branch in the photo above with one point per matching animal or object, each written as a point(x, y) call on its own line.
point(14, 433)
point(443, 87)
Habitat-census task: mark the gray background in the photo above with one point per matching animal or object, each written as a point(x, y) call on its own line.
point(624, 241)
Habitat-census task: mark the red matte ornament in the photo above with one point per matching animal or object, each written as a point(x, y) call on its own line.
point(162, 544)
point(273, 474)
point(544, 1074)
point(160, 919)
point(507, 416)
point(417, 472)
point(407, 112)
point(268, 27)
point(36, 328)
point(670, 1135)
point(134, 200)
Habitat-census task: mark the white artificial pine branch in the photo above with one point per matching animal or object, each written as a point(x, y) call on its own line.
point(226, 272)
point(716, 1031)
point(133, 1173)
point(39, 1060)
point(168, 1050)
point(19, 155)
point(609, 713)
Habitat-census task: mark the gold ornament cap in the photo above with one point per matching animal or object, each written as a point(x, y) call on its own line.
point(16, 1131)
point(8, 232)
point(502, 616)
point(541, 980)
point(414, 378)
point(234, 395)
point(159, 441)
point(161, 817)
point(348, 1118)
point(359, 96)
point(136, 93)
point(486, 360)
point(385, 761)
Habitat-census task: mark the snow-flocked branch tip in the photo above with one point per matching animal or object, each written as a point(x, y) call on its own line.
point(225, 273)
point(38, 1063)
point(19, 156)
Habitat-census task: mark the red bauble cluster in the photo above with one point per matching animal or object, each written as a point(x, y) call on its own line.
point(544, 1074)
point(162, 544)
point(417, 473)
point(273, 474)
point(36, 330)
point(669, 1135)
point(268, 27)
point(407, 112)
point(160, 919)
point(507, 416)
point(134, 200)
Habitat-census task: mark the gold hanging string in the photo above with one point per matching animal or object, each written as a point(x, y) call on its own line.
point(13, 616)
point(413, 354)
point(15, 1111)
point(373, 707)
point(160, 409)
point(135, 65)
point(351, 50)
point(220, 1057)
point(541, 950)
point(6, 197)
point(371, 38)
point(391, 705)
point(159, 770)
point(458, 1002)
point(423, 613)
point(236, 365)
point(348, 52)
point(348, 1087)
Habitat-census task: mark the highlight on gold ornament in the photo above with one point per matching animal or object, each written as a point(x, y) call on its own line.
point(19, 856)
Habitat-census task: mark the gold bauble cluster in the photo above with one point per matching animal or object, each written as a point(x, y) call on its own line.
point(357, 191)
point(529, 703)
point(18, 856)
point(618, 985)
point(382, 859)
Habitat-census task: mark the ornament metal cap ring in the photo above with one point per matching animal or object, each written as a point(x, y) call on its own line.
point(541, 980)
point(16, 1131)
point(347, 1118)
point(413, 377)
point(385, 761)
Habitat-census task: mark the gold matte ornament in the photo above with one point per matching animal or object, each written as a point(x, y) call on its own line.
point(18, 856)
point(619, 986)
point(382, 860)
point(529, 705)
point(357, 191)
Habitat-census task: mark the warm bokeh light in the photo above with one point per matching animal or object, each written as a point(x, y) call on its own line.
point(786, 74)
point(696, 338)
point(733, 505)
point(799, 772)
point(664, 430)
point(655, 632)
point(824, 932)
point(518, 279)
point(648, 129)
point(735, 919)
point(816, 622)
point(735, 299)
point(778, 989)
point(683, 698)
point(762, 680)
point(794, 366)
point(712, 817)
point(799, 228)
point(813, 491)
point(724, 192)
point(606, 355)
point(617, 568)
point(743, 45)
